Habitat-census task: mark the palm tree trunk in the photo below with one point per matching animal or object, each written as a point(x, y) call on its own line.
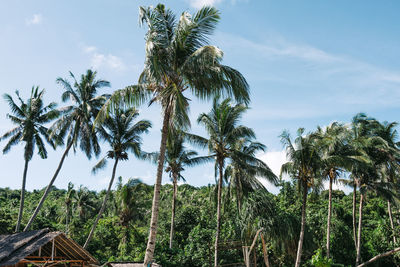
point(171, 233)
point(103, 206)
point(377, 257)
point(151, 243)
point(359, 230)
point(67, 220)
point(219, 192)
point(328, 227)
point(239, 202)
point(303, 226)
point(48, 188)
point(391, 221)
point(22, 199)
point(265, 251)
point(354, 213)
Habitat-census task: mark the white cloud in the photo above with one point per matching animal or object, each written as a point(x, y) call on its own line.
point(99, 60)
point(200, 3)
point(274, 160)
point(34, 20)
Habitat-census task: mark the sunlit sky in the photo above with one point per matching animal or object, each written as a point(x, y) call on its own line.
point(308, 63)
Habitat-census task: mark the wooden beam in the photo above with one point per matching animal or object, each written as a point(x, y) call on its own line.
point(52, 249)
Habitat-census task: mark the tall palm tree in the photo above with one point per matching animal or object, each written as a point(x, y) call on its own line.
point(76, 122)
point(123, 136)
point(243, 172)
point(177, 157)
point(367, 173)
point(224, 132)
point(128, 208)
point(303, 166)
point(336, 157)
point(68, 200)
point(391, 168)
point(30, 118)
point(178, 59)
point(358, 139)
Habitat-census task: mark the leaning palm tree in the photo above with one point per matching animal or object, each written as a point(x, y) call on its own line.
point(178, 59)
point(30, 118)
point(224, 132)
point(76, 122)
point(336, 157)
point(123, 136)
point(303, 166)
point(243, 173)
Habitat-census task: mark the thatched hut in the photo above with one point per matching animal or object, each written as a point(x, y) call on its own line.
point(42, 248)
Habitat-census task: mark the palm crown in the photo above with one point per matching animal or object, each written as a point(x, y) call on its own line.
point(30, 117)
point(122, 134)
point(77, 120)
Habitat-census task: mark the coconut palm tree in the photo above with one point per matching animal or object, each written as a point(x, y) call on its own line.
point(243, 173)
point(337, 156)
point(30, 118)
point(76, 122)
point(123, 136)
point(84, 203)
point(68, 200)
point(391, 168)
point(366, 174)
point(128, 209)
point(177, 157)
point(303, 166)
point(224, 132)
point(178, 60)
point(358, 139)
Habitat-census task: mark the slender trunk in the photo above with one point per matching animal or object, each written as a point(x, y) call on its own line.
point(328, 227)
point(354, 214)
point(151, 243)
point(221, 166)
point(377, 257)
point(303, 225)
point(48, 188)
point(239, 202)
point(391, 221)
point(22, 199)
point(359, 230)
point(67, 220)
point(171, 233)
point(103, 206)
point(265, 251)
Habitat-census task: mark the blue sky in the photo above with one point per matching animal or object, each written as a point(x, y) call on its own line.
point(308, 63)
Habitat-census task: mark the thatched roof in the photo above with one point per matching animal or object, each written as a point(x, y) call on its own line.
point(25, 245)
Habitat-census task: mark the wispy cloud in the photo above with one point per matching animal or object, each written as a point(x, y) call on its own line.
point(34, 20)
point(100, 60)
point(321, 76)
point(200, 3)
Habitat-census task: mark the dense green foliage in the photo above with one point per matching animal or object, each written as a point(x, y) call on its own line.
point(121, 234)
